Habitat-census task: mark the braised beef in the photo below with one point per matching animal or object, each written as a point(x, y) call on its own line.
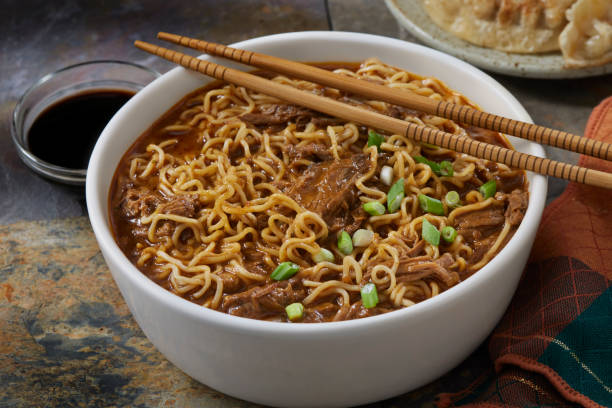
point(328, 188)
point(412, 268)
point(261, 221)
point(321, 312)
point(263, 301)
point(400, 112)
point(510, 181)
point(138, 202)
point(276, 115)
point(254, 261)
point(358, 311)
point(183, 205)
point(165, 228)
point(312, 151)
point(323, 122)
point(231, 282)
point(517, 205)
point(417, 249)
point(479, 224)
point(481, 247)
point(485, 135)
point(351, 223)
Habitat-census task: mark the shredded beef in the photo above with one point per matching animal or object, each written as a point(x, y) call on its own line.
point(358, 311)
point(276, 115)
point(311, 151)
point(254, 262)
point(517, 205)
point(400, 112)
point(479, 224)
point(509, 181)
point(416, 250)
point(260, 302)
point(323, 122)
point(357, 217)
point(418, 267)
point(328, 188)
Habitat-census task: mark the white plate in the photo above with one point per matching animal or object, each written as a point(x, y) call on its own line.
point(411, 15)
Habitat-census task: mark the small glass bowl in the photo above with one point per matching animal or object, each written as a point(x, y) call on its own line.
point(58, 85)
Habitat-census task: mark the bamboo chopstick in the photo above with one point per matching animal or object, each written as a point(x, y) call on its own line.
point(332, 107)
point(463, 114)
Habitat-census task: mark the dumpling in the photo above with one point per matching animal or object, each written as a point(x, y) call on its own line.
point(522, 26)
point(587, 39)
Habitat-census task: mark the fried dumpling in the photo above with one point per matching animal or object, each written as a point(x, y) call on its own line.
point(587, 39)
point(522, 26)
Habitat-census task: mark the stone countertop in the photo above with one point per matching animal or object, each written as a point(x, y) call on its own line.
point(68, 338)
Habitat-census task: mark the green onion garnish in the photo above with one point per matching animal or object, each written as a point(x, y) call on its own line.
point(435, 167)
point(449, 234)
point(284, 271)
point(430, 233)
point(431, 205)
point(395, 196)
point(374, 139)
point(295, 311)
point(345, 243)
point(369, 295)
point(362, 237)
point(452, 199)
point(488, 189)
point(374, 208)
point(324, 255)
point(446, 168)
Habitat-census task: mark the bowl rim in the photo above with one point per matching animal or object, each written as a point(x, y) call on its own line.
point(100, 224)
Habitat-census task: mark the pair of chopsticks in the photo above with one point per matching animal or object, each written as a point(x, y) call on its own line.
point(462, 114)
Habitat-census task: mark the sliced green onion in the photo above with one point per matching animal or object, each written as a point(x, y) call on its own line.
point(295, 311)
point(452, 199)
point(431, 205)
point(435, 167)
point(374, 139)
point(324, 255)
point(430, 233)
point(429, 145)
point(374, 208)
point(284, 271)
point(345, 243)
point(369, 295)
point(386, 175)
point(362, 237)
point(449, 234)
point(446, 168)
point(488, 189)
point(395, 196)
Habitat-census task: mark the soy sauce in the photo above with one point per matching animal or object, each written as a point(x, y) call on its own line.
point(65, 133)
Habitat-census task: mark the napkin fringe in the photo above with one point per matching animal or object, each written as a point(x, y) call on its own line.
point(553, 377)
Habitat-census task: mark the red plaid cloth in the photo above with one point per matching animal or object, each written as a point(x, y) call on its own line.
point(553, 346)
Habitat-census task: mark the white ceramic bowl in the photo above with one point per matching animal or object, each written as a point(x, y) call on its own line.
point(322, 364)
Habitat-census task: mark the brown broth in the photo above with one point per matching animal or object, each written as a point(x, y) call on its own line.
point(191, 143)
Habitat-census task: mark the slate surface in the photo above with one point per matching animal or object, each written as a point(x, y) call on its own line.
point(67, 338)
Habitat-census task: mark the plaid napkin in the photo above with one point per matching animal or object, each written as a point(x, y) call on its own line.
point(553, 346)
